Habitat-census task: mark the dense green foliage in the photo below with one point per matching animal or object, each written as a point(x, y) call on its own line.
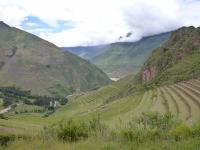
point(12, 95)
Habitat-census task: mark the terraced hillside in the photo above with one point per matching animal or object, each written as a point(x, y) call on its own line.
point(181, 99)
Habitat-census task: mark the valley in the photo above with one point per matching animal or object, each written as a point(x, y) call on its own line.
point(122, 58)
point(50, 99)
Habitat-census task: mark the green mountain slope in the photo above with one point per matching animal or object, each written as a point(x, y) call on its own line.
point(86, 52)
point(29, 62)
point(173, 70)
point(121, 59)
point(131, 96)
point(176, 60)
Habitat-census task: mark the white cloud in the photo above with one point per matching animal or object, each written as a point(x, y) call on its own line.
point(102, 21)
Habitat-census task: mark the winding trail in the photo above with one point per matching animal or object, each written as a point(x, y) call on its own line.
point(5, 110)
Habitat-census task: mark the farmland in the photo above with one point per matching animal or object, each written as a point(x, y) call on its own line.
point(117, 112)
point(181, 99)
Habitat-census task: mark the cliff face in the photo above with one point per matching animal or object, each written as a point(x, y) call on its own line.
point(182, 44)
point(149, 74)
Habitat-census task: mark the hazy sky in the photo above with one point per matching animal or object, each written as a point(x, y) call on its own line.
point(92, 22)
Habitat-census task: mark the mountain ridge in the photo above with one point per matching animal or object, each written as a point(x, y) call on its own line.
point(122, 58)
point(30, 62)
point(175, 60)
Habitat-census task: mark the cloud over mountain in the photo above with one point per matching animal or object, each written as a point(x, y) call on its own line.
point(91, 22)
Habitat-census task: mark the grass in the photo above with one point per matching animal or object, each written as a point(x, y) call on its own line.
point(1, 104)
point(113, 106)
point(24, 108)
point(89, 144)
point(150, 131)
point(117, 105)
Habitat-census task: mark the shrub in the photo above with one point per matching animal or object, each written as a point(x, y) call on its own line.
point(96, 126)
point(195, 130)
point(4, 139)
point(72, 131)
point(181, 131)
point(139, 134)
point(149, 126)
point(156, 120)
point(3, 117)
point(63, 101)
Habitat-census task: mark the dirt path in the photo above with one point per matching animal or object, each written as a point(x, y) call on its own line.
point(5, 110)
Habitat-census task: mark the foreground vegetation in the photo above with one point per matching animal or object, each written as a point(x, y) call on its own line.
point(150, 131)
point(118, 101)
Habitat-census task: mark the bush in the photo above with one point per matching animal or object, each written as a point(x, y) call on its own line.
point(156, 120)
point(63, 101)
point(96, 126)
point(139, 134)
point(4, 139)
point(48, 113)
point(149, 126)
point(180, 132)
point(195, 130)
point(3, 117)
point(72, 131)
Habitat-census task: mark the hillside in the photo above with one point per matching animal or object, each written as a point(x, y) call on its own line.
point(170, 84)
point(31, 63)
point(121, 59)
point(86, 52)
point(176, 60)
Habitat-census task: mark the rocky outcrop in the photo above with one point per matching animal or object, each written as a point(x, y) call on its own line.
point(149, 74)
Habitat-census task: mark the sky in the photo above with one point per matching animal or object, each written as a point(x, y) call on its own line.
point(94, 22)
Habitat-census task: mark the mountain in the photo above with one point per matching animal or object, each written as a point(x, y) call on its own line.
point(86, 52)
point(31, 63)
point(124, 58)
point(176, 60)
point(169, 81)
point(159, 105)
